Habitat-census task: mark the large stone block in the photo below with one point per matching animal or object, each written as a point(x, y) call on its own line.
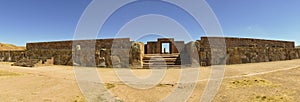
point(136, 55)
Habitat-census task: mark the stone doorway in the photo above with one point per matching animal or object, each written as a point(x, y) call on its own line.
point(165, 48)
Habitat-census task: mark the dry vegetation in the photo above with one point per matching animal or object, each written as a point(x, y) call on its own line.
point(6, 73)
point(7, 47)
point(255, 89)
point(109, 85)
point(250, 82)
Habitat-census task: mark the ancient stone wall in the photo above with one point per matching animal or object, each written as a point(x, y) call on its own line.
point(84, 44)
point(61, 56)
point(115, 52)
point(189, 55)
point(239, 55)
point(124, 53)
point(245, 42)
point(151, 47)
point(179, 45)
point(243, 50)
point(11, 56)
point(137, 54)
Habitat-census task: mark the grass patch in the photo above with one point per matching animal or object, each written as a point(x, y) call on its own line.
point(6, 73)
point(250, 82)
point(79, 99)
point(109, 85)
point(163, 85)
point(265, 98)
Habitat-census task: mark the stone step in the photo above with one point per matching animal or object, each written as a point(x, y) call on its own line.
point(161, 60)
point(158, 63)
point(161, 55)
point(163, 66)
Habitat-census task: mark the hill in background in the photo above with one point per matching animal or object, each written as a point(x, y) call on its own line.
point(7, 47)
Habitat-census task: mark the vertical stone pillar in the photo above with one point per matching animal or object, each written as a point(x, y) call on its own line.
point(136, 55)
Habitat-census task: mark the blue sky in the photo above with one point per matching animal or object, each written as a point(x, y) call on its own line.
point(24, 21)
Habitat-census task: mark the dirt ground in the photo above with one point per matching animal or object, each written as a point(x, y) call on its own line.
point(255, 82)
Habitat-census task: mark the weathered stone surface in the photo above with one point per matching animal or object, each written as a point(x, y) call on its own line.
point(137, 54)
point(244, 50)
point(11, 56)
point(82, 52)
point(123, 53)
point(116, 62)
point(34, 62)
point(252, 55)
point(26, 63)
point(244, 42)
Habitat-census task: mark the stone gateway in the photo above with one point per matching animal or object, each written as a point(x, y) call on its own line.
point(165, 52)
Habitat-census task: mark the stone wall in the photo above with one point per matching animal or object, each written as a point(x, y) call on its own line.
point(137, 54)
point(179, 45)
point(245, 42)
point(61, 56)
point(115, 52)
point(243, 50)
point(84, 44)
point(240, 55)
point(253, 55)
point(124, 53)
point(151, 48)
point(189, 55)
point(11, 56)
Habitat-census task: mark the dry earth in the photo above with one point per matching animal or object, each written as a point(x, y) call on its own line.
point(255, 82)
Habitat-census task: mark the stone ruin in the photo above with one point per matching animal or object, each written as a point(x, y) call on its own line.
point(245, 50)
point(165, 52)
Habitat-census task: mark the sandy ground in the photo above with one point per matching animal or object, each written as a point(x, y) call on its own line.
point(261, 82)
